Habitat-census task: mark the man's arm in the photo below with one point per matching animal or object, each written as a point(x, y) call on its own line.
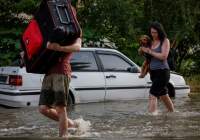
point(69, 48)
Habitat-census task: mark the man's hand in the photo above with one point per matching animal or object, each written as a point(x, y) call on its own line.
point(21, 59)
point(75, 47)
point(53, 46)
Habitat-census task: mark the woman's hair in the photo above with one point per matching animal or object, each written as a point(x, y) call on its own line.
point(73, 2)
point(159, 28)
point(142, 37)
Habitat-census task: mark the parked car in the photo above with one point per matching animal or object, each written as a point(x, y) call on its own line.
point(98, 75)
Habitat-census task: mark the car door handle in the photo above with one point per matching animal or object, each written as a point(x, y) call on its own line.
point(74, 77)
point(110, 76)
point(149, 82)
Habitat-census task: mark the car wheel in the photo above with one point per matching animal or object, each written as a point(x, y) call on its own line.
point(171, 91)
point(69, 101)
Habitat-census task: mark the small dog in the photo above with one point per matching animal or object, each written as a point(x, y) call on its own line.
point(144, 41)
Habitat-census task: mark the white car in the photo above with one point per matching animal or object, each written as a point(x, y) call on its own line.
point(98, 75)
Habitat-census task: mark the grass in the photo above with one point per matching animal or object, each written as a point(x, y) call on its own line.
point(194, 96)
point(194, 83)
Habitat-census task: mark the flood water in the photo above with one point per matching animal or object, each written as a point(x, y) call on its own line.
point(110, 121)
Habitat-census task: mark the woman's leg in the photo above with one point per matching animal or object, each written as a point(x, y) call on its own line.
point(168, 102)
point(152, 103)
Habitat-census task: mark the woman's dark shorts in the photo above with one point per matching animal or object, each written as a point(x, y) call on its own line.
point(160, 79)
point(55, 89)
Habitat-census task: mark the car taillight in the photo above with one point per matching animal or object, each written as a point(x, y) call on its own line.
point(15, 80)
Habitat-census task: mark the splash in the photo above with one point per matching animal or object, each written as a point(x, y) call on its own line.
point(155, 113)
point(83, 129)
point(17, 129)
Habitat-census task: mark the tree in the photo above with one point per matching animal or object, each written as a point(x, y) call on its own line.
point(117, 20)
point(11, 26)
point(121, 21)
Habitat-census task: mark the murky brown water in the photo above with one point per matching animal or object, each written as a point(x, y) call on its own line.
point(110, 121)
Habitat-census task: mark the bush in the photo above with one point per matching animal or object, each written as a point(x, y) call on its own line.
point(194, 82)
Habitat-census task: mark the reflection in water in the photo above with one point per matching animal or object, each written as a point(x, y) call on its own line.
point(110, 121)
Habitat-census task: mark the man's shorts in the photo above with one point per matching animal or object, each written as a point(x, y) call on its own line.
point(55, 89)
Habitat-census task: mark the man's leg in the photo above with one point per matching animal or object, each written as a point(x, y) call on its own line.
point(53, 114)
point(62, 119)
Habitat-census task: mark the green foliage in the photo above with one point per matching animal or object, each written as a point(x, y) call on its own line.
point(9, 51)
point(122, 22)
point(11, 27)
point(194, 82)
point(117, 20)
point(113, 18)
point(132, 53)
point(26, 5)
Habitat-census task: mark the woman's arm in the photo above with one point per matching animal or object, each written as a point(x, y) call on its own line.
point(69, 48)
point(164, 51)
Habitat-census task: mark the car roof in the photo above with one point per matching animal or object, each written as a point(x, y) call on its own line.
point(106, 50)
point(98, 49)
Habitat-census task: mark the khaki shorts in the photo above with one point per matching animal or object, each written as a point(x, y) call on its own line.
point(55, 89)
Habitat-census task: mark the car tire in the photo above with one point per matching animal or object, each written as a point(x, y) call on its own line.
point(171, 91)
point(69, 101)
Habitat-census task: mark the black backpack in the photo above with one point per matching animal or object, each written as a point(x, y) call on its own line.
point(171, 58)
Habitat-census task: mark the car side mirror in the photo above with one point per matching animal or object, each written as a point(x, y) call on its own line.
point(133, 69)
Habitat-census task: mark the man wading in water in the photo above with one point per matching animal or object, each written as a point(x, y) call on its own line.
point(55, 87)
